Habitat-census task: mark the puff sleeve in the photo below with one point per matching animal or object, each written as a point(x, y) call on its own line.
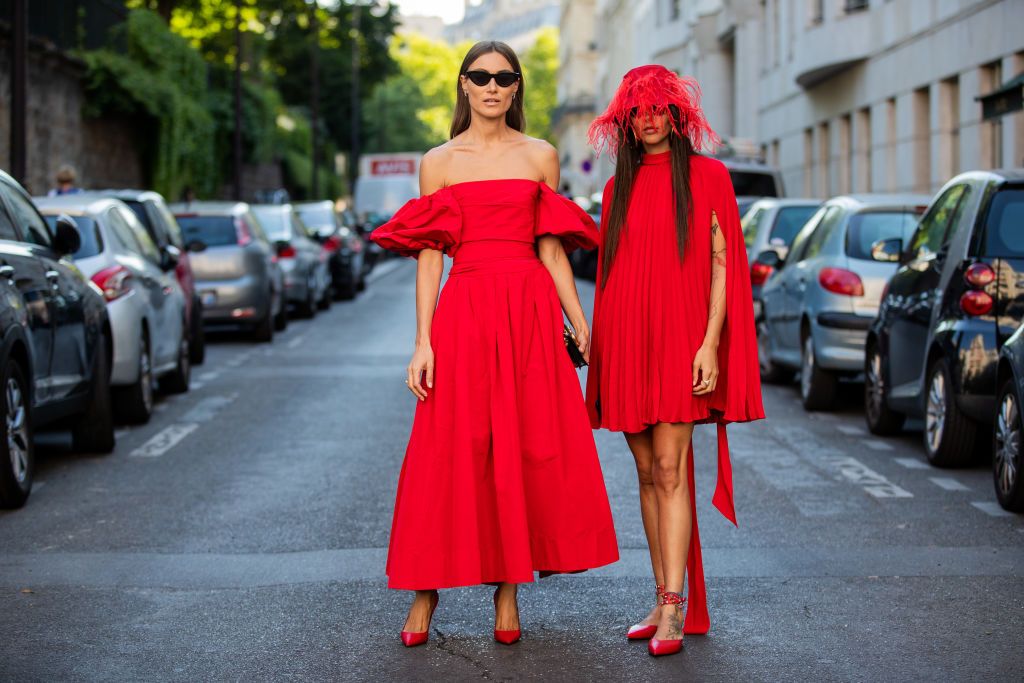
point(565, 219)
point(433, 221)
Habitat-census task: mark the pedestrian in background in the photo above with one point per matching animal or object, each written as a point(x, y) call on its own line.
point(501, 476)
point(673, 341)
point(66, 177)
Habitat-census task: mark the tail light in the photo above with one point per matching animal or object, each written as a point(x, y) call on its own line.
point(759, 273)
point(287, 251)
point(975, 302)
point(332, 243)
point(979, 275)
point(242, 232)
point(841, 281)
point(114, 281)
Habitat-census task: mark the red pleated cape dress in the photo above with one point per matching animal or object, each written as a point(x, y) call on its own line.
point(650, 317)
point(501, 476)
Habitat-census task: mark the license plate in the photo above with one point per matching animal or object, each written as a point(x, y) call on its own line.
point(209, 298)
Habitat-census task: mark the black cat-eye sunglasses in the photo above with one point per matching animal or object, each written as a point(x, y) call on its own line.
point(481, 78)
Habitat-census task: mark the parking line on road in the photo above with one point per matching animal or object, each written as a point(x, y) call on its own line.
point(948, 483)
point(208, 376)
point(850, 430)
point(992, 509)
point(192, 386)
point(874, 483)
point(296, 341)
point(164, 440)
point(912, 463)
point(876, 445)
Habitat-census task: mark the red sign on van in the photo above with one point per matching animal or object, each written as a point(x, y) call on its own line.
point(393, 167)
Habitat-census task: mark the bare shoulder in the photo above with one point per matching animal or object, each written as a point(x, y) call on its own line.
point(434, 168)
point(708, 167)
point(544, 157)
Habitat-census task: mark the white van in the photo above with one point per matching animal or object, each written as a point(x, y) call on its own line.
point(385, 183)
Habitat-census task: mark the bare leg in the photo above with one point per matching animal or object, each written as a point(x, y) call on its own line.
point(675, 522)
point(419, 613)
point(642, 446)
point(506, 609)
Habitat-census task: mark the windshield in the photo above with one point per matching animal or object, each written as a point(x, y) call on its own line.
point(318, 218)
point(213, 231)
point(1004, 230)
point(754, 184)
point(788, 223)
point(88, 230)
point(275, 222)
point(867, 228)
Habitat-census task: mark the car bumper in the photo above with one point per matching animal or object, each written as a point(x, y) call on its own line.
point(227, 301)
point(125, 316)
point(839, 341)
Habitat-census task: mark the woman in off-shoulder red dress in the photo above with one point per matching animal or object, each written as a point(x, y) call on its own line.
point(501, 476)
point(673, 341)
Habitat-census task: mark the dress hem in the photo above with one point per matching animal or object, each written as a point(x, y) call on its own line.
point(459, 583)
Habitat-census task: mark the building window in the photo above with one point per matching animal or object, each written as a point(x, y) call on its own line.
point(890, 144)
point(824, 179)
point(949, 128)
point(990, 151)
point(862, 150)
point(673, 9)
point(808, 162)
point(854, 5)
point(774, 159)
point(921, 136)
point(816, 13)
point(845, 168)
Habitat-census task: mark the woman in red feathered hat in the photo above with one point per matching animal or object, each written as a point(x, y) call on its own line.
point(673, 340)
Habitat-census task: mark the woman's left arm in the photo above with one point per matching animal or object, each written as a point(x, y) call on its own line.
point(705, 363)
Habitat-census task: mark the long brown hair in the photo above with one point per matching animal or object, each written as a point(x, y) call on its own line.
point(515, 117)
point(630, 154)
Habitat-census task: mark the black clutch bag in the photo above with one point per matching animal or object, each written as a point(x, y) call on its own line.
point(570, 345)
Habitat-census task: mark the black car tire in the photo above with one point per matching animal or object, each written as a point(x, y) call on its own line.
point(197, 335)
point(281, 319)
point(135, 402)
point(263, 331)
point(93, 431)
point(15, 486)
point(881, 419)
point(771, 373)
point(361, 287)
point(176, 382)
point(949, 443)
point(325, 301)
point(345, 290)
point(817, 386)
point(307, 309)
point(1007, 458)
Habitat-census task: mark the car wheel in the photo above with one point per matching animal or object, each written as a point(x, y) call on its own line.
point(177, 381)
point(93, 432)
point(135, 402)
point(948, 433)
point(307, 309)
point(1007, 457)
point(880, 418)
point(772, 373)
point(17, 453)
point(346, 291)
point(264, 329)
point(361, 287)
point(325, 300)
point(197, 335)
point(817, 386)
point(281, 319)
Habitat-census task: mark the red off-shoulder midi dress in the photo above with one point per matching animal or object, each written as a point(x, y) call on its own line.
point(501, 476)
point(650, 318)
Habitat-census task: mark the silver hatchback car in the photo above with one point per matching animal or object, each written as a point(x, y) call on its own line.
point(307, 278)
point(819, 303)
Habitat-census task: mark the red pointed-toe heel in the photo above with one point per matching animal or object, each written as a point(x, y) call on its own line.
point(658, 647)
point(505, 637)
point(646, 631)
point(414, 638)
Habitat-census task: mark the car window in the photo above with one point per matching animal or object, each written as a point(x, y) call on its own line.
point(799, 245)
point(750, 224)
point(170, 225)
point(213, 231)
point(868, 227)
point(145, 242)
point(754, 183)
point(274, 222)
point(1004, 226)
point(788, 222)
point(256, 228)
point(7, 229)
point(933, 230)
point(120, 233)
point(320, 219)
point(833, 216)
point(90, 240)
point(33, 226)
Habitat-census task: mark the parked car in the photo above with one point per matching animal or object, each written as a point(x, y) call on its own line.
point(772, 223)
point(56, 347)
point(752, 180)
point(818, 306)
point(303, 262)
point(145, 303)
point(1007, 456)
point(957, 296)
point(345, 247)
point(151, 210)
point(237, 273)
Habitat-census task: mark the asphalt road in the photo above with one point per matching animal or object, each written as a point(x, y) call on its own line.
point(241, 535)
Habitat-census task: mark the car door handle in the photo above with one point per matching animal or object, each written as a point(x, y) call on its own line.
point(7, 272)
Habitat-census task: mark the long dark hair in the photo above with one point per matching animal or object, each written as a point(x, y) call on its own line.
point(515, 117)
point(630, 153)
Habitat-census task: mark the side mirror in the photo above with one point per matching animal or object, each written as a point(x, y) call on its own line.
point(196, 246)
point(770, 258)
point(66, 240)
point(169, 257)
point(887, 251)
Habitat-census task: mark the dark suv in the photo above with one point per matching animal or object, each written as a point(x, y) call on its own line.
point(55, 348)
point(957, 296)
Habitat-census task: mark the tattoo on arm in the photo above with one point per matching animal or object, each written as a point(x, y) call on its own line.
point(719, 250)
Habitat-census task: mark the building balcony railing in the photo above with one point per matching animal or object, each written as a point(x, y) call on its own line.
point(831, 47)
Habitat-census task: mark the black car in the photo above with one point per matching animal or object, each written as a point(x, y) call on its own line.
point(1007, 458)
point(344, 245)
point(956, 298)
point(55, 348)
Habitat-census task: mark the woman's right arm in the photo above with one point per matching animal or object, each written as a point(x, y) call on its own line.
point(429, 266)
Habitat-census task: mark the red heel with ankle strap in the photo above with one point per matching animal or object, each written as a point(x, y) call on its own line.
point(659, 646)
point(506, 637)
point(414, 638)
point(646, 631)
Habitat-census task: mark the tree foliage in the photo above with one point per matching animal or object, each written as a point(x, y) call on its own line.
point(540, 75)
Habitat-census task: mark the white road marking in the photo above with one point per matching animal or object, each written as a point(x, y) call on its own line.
point(850, 430)
point(876, 445)
point(992, 509)
point(296, 341)
point(164, 440)
point(912, 463)
point(948, 483)
point(874, 483)
point(195, 385)
point(208, 376)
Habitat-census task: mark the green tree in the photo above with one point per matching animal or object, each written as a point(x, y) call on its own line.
point(540, 76)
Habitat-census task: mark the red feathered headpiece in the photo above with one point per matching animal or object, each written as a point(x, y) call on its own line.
point(653, 88)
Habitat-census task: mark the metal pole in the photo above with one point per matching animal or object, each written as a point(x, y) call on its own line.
point(237, 143)
point(19, 78)
point(314, 103)
point(353, 164)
